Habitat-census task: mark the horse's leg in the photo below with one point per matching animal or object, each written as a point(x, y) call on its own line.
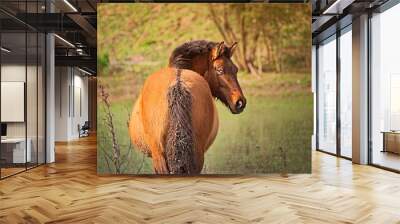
point(159, 162)
point(199, 163)
point(199, 155)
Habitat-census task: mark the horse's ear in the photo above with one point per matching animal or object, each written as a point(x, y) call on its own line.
point(218, 50)
point(232, 49)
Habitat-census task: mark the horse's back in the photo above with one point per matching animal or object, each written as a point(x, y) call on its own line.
point(137, 121)
point(203, 106)
point(154, 107)
point(150, 128)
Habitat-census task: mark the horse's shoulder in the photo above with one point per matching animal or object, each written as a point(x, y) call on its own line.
point(189, 72)
point(193, 76)
point(195, 82)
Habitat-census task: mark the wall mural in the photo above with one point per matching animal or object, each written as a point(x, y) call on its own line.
point(189, 89)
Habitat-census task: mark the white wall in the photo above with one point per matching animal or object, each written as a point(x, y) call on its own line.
point(80, 94)
point(12, 73)
point(13, 100)
point(33, 126)
point(62, 81)
point(71, 87)
point(16, 73)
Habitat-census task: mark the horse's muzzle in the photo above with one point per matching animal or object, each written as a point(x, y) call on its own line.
point(239, 106)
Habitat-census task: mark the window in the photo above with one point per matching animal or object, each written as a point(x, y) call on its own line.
point(22, 88)
point(346, 92)
point(385, 89)
point(327, 95)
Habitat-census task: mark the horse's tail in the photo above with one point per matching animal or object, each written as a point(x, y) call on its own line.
point(179, 141)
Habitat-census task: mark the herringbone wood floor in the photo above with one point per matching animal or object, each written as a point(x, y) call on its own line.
point(69, 191)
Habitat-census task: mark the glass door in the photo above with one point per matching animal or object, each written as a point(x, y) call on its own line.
point(22, 78)
point(14, 153)
point(346, 92)
point(385, 89)
point(327, 95)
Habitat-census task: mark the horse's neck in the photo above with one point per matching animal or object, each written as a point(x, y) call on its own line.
point(210, 82)
point(200, 64)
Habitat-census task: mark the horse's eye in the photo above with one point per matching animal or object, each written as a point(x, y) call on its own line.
point(219, 71)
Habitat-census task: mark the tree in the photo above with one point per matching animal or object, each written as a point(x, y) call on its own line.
point(265, 34)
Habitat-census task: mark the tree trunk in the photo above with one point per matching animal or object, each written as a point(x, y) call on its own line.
point(259, 62)
point(227, 33)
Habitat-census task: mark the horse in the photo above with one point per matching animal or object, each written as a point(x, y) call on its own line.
point(174, 120)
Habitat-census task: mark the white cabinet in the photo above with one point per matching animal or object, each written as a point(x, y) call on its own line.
point(19, 155)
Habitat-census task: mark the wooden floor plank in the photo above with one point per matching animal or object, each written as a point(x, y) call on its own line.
point(70, 191)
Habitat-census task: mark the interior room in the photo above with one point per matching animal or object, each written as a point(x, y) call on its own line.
point(337, 85)
point(71, 103)
point(22, 97)
point(385, 89)
point(44, 76)
point(48, 102)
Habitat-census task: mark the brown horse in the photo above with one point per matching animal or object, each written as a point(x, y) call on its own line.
point(175, 120)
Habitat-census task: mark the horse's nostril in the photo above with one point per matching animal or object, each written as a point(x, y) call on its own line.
point(239, 105)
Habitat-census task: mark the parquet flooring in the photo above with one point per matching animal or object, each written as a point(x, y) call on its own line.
point(7, 171)
point(69, 191)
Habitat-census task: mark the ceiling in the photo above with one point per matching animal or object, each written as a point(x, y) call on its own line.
point(73, 21)
point(330, 15)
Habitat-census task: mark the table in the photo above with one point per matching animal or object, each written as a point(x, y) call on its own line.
point(391, 141)
point(13, 150)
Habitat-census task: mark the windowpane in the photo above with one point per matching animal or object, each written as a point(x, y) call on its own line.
point(386, 88)
point(327, 96)
point(346, 94)
point(15, 151)
point(22, 90)
point(41, 98)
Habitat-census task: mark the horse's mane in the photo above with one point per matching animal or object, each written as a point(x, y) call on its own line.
point(183, 55)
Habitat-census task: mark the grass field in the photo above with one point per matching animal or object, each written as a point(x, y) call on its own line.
point(273, 134)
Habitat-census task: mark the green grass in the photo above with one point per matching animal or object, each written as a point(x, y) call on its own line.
point(256, 141)
point(275, 128)
point(136, 161)
point(150, 30)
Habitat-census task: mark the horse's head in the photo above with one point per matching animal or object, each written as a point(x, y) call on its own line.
point(222, 78)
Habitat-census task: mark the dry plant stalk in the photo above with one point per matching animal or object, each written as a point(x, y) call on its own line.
point(120, 161)
point(110, 124)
